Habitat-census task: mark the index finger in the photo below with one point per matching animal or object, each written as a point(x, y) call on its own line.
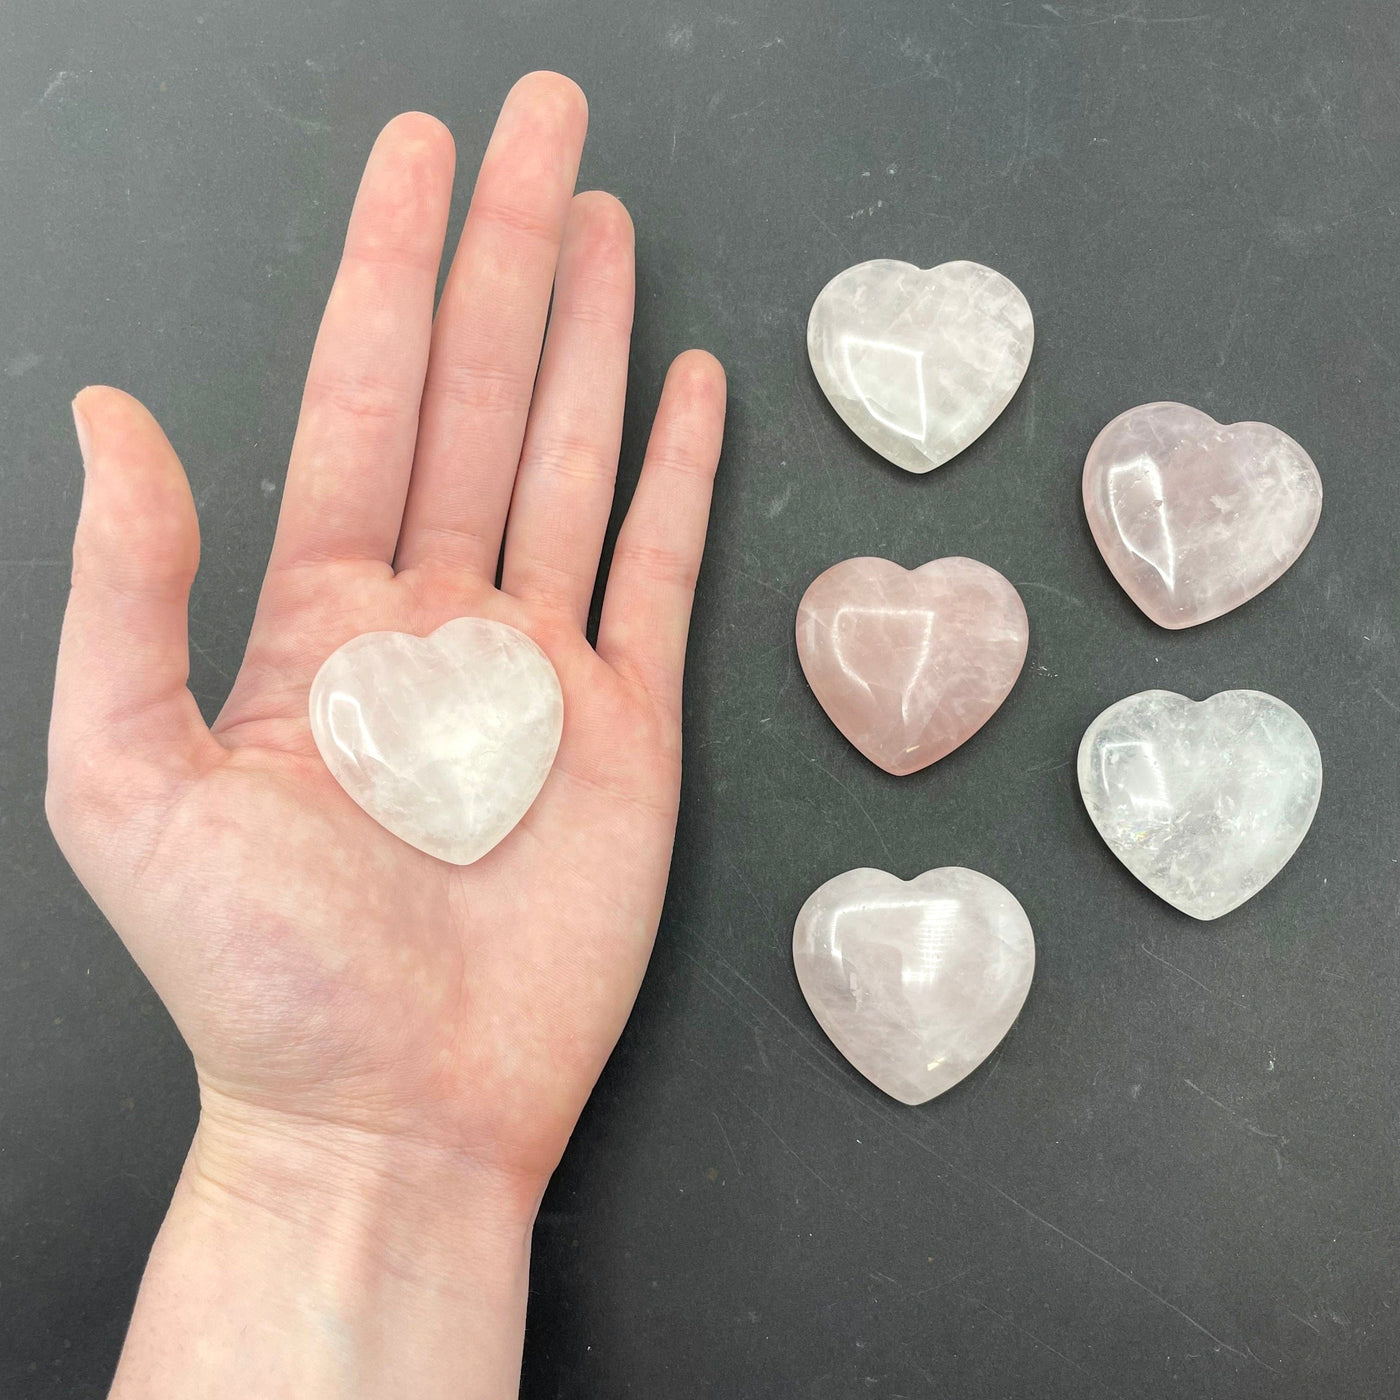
point(359, 414)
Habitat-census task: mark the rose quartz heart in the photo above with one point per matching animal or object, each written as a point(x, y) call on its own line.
point(1195, 517)
point(910, 663)
point(915, 981)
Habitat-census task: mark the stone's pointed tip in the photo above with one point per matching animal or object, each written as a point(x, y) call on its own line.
point(1204, 801)
point(915, 981)
point(909, 664)
point(917, 362)
point(1203, 915)
point(912, 1100)
point(444, 740)
point(899, 770)
point(1194, 518)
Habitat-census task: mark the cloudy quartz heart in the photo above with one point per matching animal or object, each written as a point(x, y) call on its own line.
point(919, 362)
point(1195, 517)
point(909, 663)
point(1204, 801)
point(915, 981)
point(445, 740)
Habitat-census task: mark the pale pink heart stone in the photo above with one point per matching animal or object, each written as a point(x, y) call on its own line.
point(1194, 517)
point(910, 663)
point(915, 981)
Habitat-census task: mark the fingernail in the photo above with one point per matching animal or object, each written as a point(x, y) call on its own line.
point(80, 426)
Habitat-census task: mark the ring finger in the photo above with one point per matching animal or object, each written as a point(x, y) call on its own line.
point(564, 487)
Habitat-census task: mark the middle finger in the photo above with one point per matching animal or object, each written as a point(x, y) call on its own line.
point(487, 336)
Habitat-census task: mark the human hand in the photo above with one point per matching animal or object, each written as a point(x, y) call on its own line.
point(383, 1040)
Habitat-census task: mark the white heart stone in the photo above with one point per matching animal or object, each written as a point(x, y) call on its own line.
point(919, 363)
point(915, 981)
point(446, 739)
point(1204, 801)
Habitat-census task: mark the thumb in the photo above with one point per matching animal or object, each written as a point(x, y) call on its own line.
point(120, 693)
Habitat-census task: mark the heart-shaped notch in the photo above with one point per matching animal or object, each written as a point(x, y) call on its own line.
point(1195, 517)
point(1204, 801)
point(915, 981)
point(910, 663)
point(919, 362)
point(445, 740)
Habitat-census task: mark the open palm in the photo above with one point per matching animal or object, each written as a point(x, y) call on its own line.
point(325, 974)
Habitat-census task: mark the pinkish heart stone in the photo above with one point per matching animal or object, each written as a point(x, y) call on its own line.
point(1195, 517)
point(910, 663)
point(915, 981)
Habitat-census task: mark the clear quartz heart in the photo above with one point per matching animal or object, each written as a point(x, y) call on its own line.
point(1204, 801)
point(910, 663)
point(915, 981)
point(444, 740)
point(918, 362)
point(1194, 517)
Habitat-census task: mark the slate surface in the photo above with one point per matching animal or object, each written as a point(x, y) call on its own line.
point(1179, 1176)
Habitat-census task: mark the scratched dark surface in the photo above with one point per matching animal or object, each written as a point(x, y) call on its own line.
point(1179, 1177)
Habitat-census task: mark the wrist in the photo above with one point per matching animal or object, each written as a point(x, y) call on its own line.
point(372, 1186)
point(313, 1260)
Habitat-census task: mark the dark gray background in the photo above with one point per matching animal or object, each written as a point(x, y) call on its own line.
point(1178, 1177)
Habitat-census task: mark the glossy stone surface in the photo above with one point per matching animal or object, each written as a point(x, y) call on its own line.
point(1204, 801)
point(1195, 517)
point(446, 739)
point(919, 362)
point(915, 981)
point(909, 663)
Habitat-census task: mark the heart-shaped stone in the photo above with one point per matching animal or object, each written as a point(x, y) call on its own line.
point(1195, 517)
point(1204, 801)
point(915, 981)
point(919, 362)
point(909, 663)
point(446, 739)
